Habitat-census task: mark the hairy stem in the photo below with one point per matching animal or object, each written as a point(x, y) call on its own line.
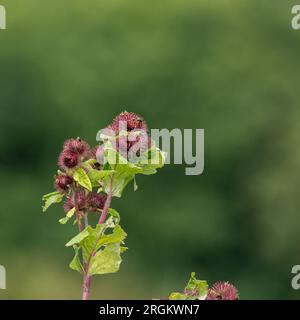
point(86, 277)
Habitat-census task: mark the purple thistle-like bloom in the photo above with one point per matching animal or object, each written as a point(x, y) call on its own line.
point(79, 198)
point(69, 204)
point(222, 291)
point(131, 120)
point(137, 140)
point(96, 201)
point(77, 145)
point(62, 183)
point(68, 159)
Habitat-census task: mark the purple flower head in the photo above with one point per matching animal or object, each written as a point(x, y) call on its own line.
point(62, 183)
point(69, 204)
point(77, 145)
point(79, 200)
point(96, 201)
point(68, 159)
point(131, 120)
point(222, 291)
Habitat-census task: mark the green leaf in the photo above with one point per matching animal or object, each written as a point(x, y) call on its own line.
point(100, 249)
point(63, 220)
point(120, 180)
point(135, 186)
point(88, 164)
point(118, 162)
point(152, 160)
point(96, 175)
point(82, 178)
point(177, 296)
point(194, 290)
point(195, 285)
point(68, 216)
point(75, 264)
point(50, 198)
point(78, 238)
point(89, 244)
point(87, 239)
point(71, 212)
point(125, 171)
point(107, 260)
point(147, 171)
point(118, 235)
point(115, 214)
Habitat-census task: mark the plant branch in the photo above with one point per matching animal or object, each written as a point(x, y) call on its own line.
point(107, 204)
point(86, 218)
point(86, 277)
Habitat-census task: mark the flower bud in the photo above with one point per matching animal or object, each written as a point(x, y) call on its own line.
point(68, 159)
point(62, 183)
point(96, 201)
point(131, 120)
point(77, 145)
point(79, 200)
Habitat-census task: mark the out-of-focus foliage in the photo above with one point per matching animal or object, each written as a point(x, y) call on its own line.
point(231, 67)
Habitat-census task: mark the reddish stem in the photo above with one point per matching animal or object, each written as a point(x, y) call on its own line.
point(106, 205)
point(86, 277)
point(105, 209)
point(86, 286)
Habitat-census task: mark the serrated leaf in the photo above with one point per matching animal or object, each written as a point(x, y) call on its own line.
point(75, 264)
point(82, 178)
point(51, 198)
point(106, 261)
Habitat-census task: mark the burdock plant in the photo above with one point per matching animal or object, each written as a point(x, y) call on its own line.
point(88, 179)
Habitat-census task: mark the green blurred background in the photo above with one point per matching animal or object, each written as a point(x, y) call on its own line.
point(230, 67)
